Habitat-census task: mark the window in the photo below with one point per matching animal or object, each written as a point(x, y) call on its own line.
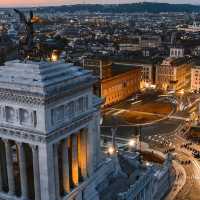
point(124, 84)
point(57, 114)
point(81, 104)
point(34, 118)
point(71, 110)
point(24, 116)
point(86, 103)
point(10, 114)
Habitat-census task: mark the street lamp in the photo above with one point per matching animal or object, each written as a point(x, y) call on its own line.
point(131, 143)
point(113, 151)
point(54, 56)
point(148, 164)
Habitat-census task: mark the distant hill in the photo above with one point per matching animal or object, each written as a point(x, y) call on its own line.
point(128, 8)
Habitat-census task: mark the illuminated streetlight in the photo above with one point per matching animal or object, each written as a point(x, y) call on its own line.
point(148, 164)
point(111, 150)
point(54, 57)
point(131, 143)
point(114, 152)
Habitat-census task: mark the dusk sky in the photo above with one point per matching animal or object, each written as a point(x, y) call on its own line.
point(12, 3)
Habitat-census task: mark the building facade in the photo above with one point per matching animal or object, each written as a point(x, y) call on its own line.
point(49, 133)
point(195, 78)
point(176, 52)
point(147, 70)
point(150, 41)
point(116, 81)
point(173, 74)
point(100, 67)
point(147, 75)
point(121, 86)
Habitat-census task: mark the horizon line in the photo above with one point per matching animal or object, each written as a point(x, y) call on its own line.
point(56, 5)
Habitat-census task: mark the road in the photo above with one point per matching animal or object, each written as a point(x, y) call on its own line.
point(160, 136)
point(190, 191)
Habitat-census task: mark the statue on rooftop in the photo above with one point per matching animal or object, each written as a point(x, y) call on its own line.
point(26, 43)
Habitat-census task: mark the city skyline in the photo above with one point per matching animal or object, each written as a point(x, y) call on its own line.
point(23, 3)
point(99, 101)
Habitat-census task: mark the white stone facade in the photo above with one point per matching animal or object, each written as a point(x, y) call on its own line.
point(49, 132)
point(176, 52)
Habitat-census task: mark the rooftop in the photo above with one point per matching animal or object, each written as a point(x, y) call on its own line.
point(43, 78)
point(120, 68)
point(196, 62)
point(175, 61)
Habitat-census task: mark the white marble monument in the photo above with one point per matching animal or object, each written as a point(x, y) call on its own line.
point(49, 132)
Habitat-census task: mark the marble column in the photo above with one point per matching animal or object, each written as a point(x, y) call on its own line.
point(36, 172)
point(47, 171)
point(75, 175)
point(93, 144)
point(56, 168)
point(3, 166)
point(80, 154)
point(90, 148)
point(23, 171)
point(1, 175)
point(83, 153)
point(9, 165)
point(65, 166)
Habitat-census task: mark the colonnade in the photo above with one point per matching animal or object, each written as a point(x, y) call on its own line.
point(20, 166)
point(14, 169)
point(70, 162)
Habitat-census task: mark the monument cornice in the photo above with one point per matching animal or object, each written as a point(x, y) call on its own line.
point(37, 98)
point(21, 96)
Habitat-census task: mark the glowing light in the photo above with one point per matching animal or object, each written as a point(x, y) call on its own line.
point(147, 85)
point(164, 86)
point(54, 57)
point(147, 164)
point(182, 92)
point(153, 86)
point(111, 150)
point(131, 143)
